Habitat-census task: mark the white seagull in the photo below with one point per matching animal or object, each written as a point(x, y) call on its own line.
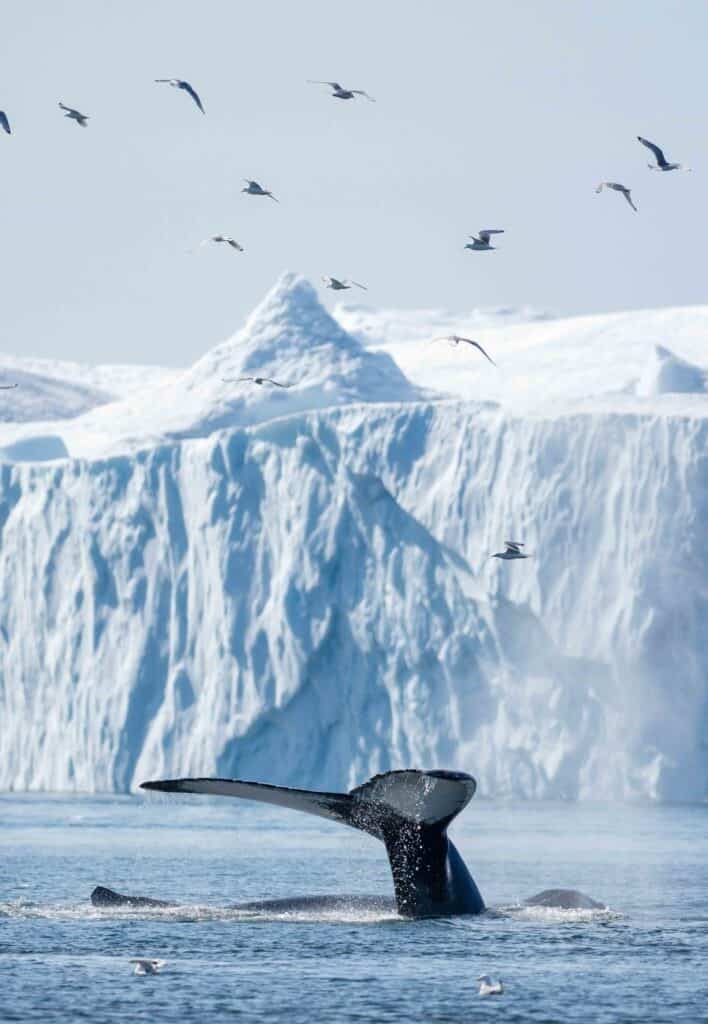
point(488, 987)
point(179, 83)
point(4, 122)
point(223, 238)
point(481, 241)
point(340, 93)
point(144, 965)
point(512, 550)
point(75, 115)
point(456, 339)
point(662, 164)
point(617, 188)
point(254, 189)
point(255, 380)
point(339, 286)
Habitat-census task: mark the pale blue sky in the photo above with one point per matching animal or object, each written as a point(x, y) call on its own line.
point(502, 114)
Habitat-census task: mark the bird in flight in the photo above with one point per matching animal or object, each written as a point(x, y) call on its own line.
point(4, 122)
point(662, 164)
point(455, 339)
point(254, 189)
point(255, 380)
point(224, 238)
point(340, 286)
point(144, 965)
point(340, 93)
point(7, 387)
point(512, 550)
point(179, 83)
point(481, 241)
point(75, 115)
point(617, 188)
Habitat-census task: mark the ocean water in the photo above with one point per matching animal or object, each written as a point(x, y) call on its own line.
point(643, 959)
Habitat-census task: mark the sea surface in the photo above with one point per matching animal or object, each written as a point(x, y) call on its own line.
point(645, 958)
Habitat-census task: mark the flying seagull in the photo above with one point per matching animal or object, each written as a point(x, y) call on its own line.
point(254, 189)
point(488, 987)
point(512, 550)
point(340, 93)
point(617, 188)
point(75, 115)
point(481, 241)
point(662, 163)
point(339, 286)
point(256, 380)
point(144, 965)
point(224, 238)
point(7, 387)
point(456, 339)
point(4, 122)
point(179, 83)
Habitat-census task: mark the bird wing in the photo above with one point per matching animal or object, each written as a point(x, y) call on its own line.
point(318, 81)
point(271, 196)
point(363, 286)
point(360, 92)
point(236, 380)
point(168, 80)
point(249, 181)
point(477, 345)
point(488, 232)
point(277, 383)
point(4, 122)
point(193, 93)
point(628, 196)
point(234, 244)
point(7, 387)
point(513, 545)
point(660, 158)
point(69, 110)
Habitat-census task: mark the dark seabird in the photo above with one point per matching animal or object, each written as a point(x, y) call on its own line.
point(340, 286)
point(224, 238)
point(255, 380)
point(481, 241)
point(4, 122)
point(455, 339)
point(512, 550)
point(617, 188)
point(179, 83)
point(254, 189)
point(75, 115)
point(662, 164)
point(7, 387)
point(340, 93)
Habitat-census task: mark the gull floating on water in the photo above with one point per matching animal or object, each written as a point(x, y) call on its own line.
point(662, 164)
point(144, 965)
point(4, 122)
point(456, 339)
point(75, 115)
point(617, 188)
point(179, 83)
point(340, 93)
point(488, 987)
point(223, 238)
point(481, 241)
point(512, 550)
point(255, 380)
point(254, 189)
point(338, 286)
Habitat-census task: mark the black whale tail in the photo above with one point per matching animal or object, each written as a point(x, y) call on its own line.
point(408, 810)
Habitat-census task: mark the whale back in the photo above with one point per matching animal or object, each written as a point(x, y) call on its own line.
point(408, 810)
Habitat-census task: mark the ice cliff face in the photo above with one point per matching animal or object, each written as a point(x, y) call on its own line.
point(305, 599)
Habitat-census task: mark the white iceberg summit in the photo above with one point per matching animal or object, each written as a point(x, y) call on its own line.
point(289, 337)
point(667, 374)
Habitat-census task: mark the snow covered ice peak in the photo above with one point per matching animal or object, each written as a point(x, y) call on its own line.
point(665, 373)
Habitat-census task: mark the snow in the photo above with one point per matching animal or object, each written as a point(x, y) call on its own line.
point(295, 587)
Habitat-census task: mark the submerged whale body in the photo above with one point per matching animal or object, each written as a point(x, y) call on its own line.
point(564, 899)
point(409, 811)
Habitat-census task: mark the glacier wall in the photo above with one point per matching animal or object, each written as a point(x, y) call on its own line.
point(306, 601)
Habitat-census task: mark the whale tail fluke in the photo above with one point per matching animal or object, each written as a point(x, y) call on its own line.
point(408, 810)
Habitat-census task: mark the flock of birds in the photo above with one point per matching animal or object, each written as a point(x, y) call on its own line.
point(481, 242)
